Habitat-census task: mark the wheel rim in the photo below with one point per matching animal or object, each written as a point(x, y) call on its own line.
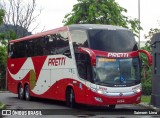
point(70, 98)
point(27, 95)
point(20, 92)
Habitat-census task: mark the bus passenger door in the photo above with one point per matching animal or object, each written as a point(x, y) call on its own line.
point(84, 72)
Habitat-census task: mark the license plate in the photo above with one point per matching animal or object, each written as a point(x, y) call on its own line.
point(120, 101)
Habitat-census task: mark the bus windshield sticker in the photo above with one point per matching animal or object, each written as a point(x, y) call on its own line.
point(106, 60)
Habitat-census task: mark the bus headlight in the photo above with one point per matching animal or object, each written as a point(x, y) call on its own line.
point(94, 89)
point(100, 91)
point(138, 90)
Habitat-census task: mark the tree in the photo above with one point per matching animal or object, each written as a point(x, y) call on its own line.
point(8, 33)
point(2, 62)
point(1, 22)
point(147, 46)
point(20, 13)
point(151, 33)
point(147, 70)
point(2, 52)
point(1, 16)
point(100, 12)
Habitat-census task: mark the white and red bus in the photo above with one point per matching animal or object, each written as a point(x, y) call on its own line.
point(85, 63)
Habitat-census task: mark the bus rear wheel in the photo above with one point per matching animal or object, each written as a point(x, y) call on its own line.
point(70, 98)
point(20, 92)
point(27, 93)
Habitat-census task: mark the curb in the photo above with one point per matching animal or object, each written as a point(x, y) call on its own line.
point(4, 91)
point(148, 106)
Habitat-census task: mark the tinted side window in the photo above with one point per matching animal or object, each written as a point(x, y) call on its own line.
point(37, 46)
point(62, 44)
point(56, 44)
point(10, 50)
point(48, 45)
point(17, 50)
point(30, 48)
point(79, 38)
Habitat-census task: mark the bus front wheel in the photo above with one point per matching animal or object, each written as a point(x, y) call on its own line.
point(20, 92)
point(27, 93)
point(70, 98)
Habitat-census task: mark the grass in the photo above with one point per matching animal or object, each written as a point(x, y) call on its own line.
point(146, 99)
point(2, 106)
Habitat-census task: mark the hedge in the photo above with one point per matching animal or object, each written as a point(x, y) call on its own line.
point(146, 88)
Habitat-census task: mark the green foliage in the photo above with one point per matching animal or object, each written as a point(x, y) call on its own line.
point(146, 88)
point(146, 71)
point(2, 106)
point(3, 44)
point(147, 81)
point(2, 62)
point(1, 16)
point(146, 99)
point(100, 12)
point(152, 32)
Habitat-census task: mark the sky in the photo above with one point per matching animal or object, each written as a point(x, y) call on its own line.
point(53, 12)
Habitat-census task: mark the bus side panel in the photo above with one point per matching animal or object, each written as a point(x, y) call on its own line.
point(48, 76)
point(13, 67)
point(11, 84)
point(55, 92)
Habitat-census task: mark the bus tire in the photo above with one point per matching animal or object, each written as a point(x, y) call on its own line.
point(112, 106)
point(70, 98)
point(20, 92)
point(27, 93)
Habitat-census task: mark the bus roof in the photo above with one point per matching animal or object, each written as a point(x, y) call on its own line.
point(94, 26)
point(71, 27)
point(41, 34)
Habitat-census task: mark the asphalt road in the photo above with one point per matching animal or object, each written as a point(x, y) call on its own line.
point(58, 109)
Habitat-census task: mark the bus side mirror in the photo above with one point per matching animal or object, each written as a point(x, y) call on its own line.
point(90, 53)
point(149, 56)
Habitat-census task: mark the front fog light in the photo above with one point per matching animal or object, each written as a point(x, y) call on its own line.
point(98, 99)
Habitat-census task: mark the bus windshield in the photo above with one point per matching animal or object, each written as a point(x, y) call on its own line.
point(119, 40)
point(117, 72)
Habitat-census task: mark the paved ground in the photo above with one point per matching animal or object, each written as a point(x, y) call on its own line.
point(60, 110)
